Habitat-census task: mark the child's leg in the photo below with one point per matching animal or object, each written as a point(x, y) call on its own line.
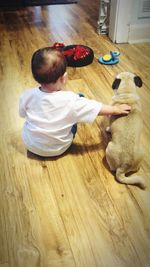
point(81, 94)
point(74, 127)
point(74, 130)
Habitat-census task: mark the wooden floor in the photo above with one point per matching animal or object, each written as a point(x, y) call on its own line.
point(68, 211)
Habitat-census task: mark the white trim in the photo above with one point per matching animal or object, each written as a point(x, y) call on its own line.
point(139, 33)
point(114, 6)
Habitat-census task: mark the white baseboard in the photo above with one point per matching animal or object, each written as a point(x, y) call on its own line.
point(139, 33)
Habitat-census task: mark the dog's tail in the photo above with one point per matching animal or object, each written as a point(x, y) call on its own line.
point(132, 180)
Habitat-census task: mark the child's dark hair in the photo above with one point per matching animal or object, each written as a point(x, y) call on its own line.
point(48, 65)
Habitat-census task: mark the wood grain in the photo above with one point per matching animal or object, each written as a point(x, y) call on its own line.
point(68, 211)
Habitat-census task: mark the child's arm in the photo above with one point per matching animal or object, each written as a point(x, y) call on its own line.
point(114, 110)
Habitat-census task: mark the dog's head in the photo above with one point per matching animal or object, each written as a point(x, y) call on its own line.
point(126, 82)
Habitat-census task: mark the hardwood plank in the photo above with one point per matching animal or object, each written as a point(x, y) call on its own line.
point(3, 240)
point(30, 224)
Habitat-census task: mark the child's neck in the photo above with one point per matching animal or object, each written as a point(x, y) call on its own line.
point(49, 88)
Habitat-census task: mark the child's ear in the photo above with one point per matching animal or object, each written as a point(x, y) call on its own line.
point(65, 75)
point(64, 78)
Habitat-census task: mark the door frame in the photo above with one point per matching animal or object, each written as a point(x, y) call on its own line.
point(119, 25)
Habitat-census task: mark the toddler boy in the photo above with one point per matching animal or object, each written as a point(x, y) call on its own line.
point(50, 112)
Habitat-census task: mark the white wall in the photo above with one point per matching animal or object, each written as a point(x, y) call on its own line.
point(139, 25)
point(137, 17)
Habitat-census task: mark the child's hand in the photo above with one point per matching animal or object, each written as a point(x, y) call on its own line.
point(115, 110)
point(121, 109)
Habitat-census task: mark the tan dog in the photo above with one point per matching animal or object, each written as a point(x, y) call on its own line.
point(123, 152)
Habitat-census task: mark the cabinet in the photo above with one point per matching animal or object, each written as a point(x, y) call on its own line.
point(11, 3)
point(20, 3)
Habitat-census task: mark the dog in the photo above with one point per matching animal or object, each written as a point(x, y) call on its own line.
point(124, 152)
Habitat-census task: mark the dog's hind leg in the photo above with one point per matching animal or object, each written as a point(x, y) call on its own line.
point(132, 180)
point(109, 158)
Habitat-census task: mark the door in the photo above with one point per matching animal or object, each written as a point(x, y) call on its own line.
point(129, 21)
point(120, 13)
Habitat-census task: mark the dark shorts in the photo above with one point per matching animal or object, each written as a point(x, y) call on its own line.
point(74, 127)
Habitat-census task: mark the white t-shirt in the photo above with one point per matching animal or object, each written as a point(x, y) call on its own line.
point(50, 117)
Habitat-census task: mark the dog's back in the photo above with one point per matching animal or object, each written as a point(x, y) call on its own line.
point(126, 132)
point(123, 153)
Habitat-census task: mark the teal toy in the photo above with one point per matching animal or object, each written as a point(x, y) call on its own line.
point(109, 59)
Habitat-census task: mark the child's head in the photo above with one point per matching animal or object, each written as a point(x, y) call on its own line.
point(48, 65)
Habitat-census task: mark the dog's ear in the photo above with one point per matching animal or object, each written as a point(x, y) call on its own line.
point(116, 84)
point(138, 81)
